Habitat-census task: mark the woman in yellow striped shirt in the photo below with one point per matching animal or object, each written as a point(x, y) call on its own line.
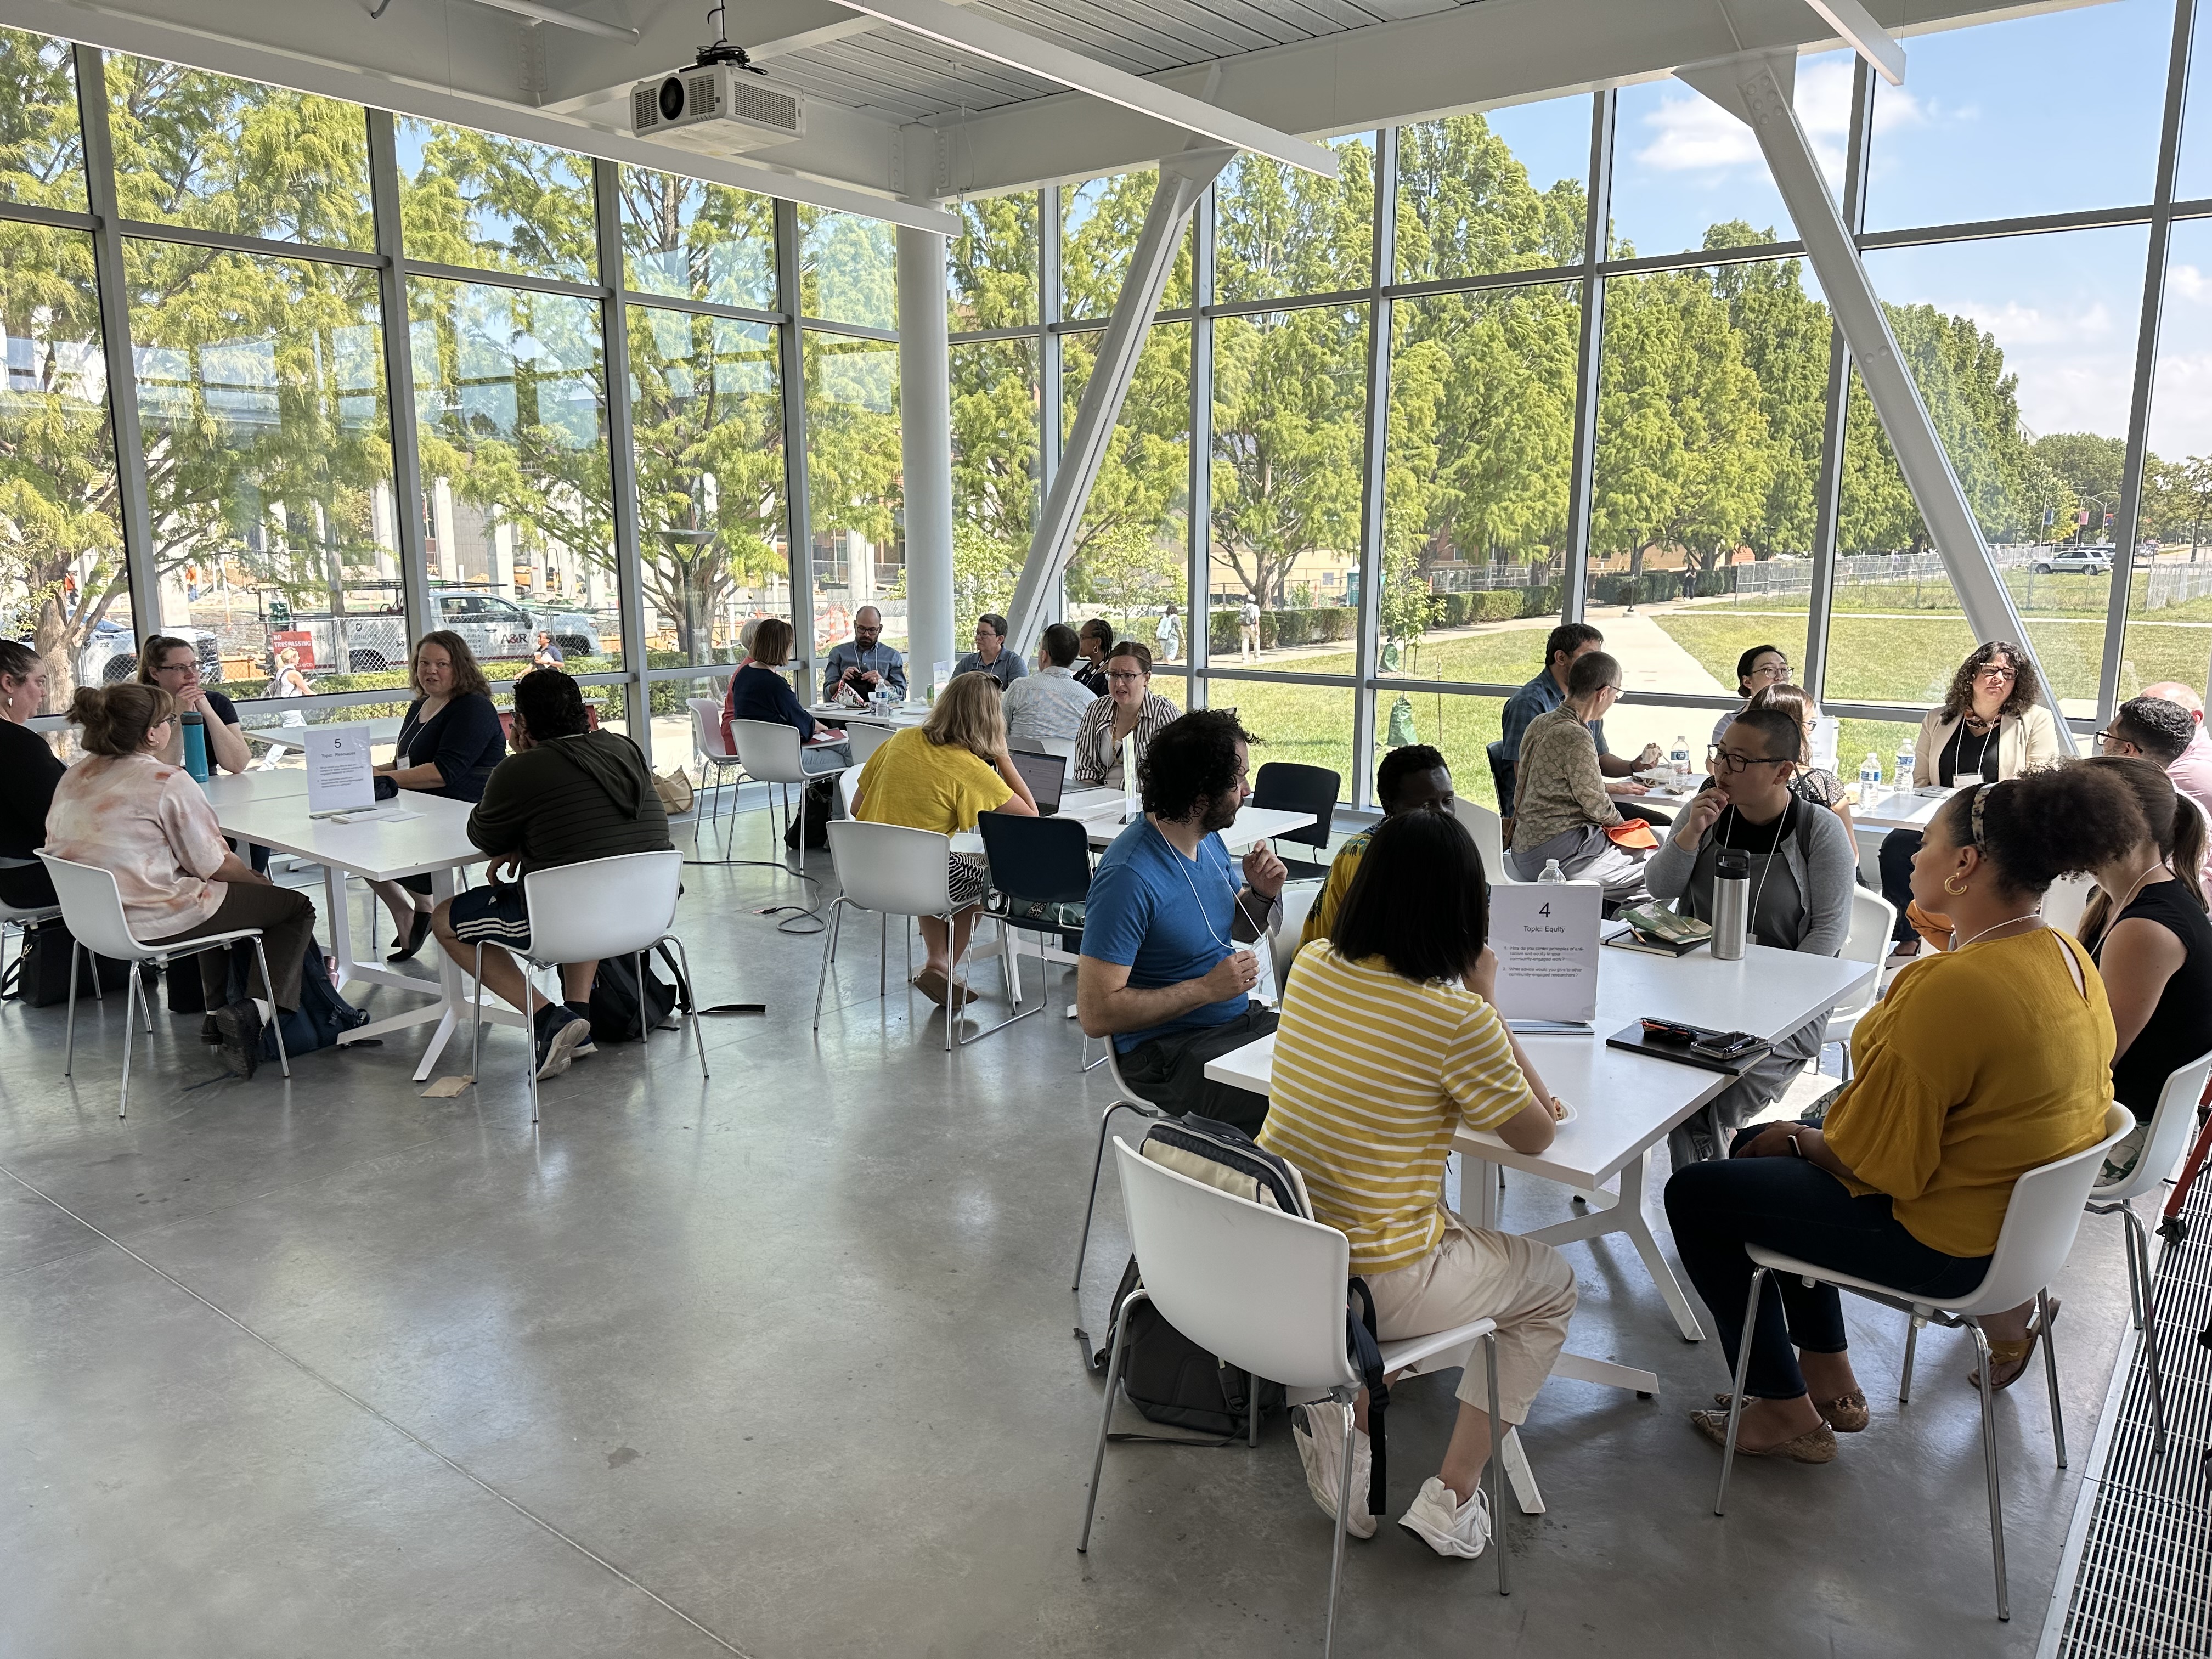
point(1388, 1046)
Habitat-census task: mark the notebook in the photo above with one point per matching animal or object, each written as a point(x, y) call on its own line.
point(1046, 775)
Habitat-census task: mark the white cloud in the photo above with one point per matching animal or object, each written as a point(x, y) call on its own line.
point(2188, 282)
point(2025, 327)
point(2181, 408)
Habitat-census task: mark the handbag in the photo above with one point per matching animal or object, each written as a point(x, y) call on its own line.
point(675, 791)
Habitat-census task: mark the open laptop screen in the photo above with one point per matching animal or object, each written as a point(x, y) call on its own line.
point(1045, 774)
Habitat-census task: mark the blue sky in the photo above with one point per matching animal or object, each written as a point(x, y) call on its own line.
point(1987, 125)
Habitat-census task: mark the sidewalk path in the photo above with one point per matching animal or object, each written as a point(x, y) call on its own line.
point(1651, 661)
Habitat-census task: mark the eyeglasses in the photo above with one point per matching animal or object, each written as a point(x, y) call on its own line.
point(174, 668)
point(1990, 670)
point(1727, 761)
point(1125, 677)
point(1778, 672)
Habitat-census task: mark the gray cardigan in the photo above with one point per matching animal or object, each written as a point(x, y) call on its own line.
point(1825, 879)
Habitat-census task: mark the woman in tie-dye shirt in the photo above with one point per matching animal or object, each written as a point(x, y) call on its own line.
point(145, 822)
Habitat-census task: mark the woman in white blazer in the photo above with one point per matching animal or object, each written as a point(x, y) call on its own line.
point(1992, 726)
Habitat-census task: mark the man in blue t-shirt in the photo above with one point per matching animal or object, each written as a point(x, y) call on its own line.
point(1163, 974)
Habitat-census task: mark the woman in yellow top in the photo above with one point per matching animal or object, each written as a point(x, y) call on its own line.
point(1980, 1065)
point(939, 776)
point(1388, 1046)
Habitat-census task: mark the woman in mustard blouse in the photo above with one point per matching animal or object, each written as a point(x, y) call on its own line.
point(1980, 1063)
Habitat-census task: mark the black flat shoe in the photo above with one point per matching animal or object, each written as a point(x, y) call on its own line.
point(403, 950)
point(239, 1028)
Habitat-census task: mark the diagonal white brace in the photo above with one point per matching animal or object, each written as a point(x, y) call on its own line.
point(1754, 88)
point(1183, 179)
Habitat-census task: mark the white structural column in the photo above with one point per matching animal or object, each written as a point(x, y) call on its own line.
point(1183, 179)
point(926, 442)
point(1756, 87)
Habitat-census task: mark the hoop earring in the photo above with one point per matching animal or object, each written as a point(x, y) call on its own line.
point(1956, 892)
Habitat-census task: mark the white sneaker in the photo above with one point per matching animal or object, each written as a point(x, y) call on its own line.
point(1319, 1429)
point(1446, 1526)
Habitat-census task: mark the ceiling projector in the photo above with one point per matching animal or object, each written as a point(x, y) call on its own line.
point(720, 103)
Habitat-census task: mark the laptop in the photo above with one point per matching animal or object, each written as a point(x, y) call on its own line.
point(1046, 776)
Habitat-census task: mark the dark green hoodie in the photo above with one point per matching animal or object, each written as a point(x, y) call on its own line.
point(569, 800)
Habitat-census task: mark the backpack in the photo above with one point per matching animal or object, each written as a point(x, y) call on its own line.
point(616, 1013)
point(1169, 1379)
point(821, 807)
point(322, 1017)
point(39, 975)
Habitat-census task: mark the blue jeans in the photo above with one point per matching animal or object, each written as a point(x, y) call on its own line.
point(1798, 1208)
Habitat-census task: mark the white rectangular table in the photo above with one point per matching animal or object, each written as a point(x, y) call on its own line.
point(231, 789)
point(384, 729)
point(434, 842)
point(1625, 1103)
point(1895, 809)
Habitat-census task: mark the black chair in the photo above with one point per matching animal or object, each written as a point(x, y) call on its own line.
point(1285, 786)
point(1501, 776)
point(1037, 865)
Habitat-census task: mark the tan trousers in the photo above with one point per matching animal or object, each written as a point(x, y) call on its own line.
point(1527, 1287)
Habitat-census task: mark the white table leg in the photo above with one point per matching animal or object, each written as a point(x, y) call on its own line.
point(1627, 1217)
point(1606, 1374)
point(334, 907)
point(450, 986)
point(1523, 1477)
point(1478, 1181)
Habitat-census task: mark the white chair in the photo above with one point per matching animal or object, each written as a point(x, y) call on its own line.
point(895, 872)
point(865, 738)
point(714, 755)
point(617, 907)
point(770, 752)
point(1298, 900)
point(1126, 1099)
point(2041, 1219)
point(2066, 899)
point(92, 905)
point(1489, 835)
point(1265, 1290)
point(1872, 918)
point(2171, 1127)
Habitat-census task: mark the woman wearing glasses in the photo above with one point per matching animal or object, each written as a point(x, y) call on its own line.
point(1801, 865)
point(174, 665)
point(1130, 706)
point(1992, 726)
point(1755, 669)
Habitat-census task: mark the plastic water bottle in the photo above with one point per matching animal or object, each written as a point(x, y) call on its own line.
point(1680, 759)
point(1870, 776)
point(1904, 766)
point(1551, 871)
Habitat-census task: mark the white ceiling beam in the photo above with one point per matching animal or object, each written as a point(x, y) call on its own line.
point(971, 32)
point(563, 19)
point(864, 151)
point(1865, 37)
point(1470, 58)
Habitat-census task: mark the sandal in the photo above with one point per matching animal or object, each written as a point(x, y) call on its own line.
point(2008, 1360)
point(1813, 1446)
point(933, 984)
point(1846, 1413)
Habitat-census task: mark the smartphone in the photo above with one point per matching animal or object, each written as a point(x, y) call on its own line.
point(1725, 1045)
point(1667, 1030)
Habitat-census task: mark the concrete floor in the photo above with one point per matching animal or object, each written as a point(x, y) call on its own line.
point(779, 1365)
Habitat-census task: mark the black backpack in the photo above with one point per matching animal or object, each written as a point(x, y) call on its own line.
point(1169, 1379)
point(619, 1015)
point(39, 975)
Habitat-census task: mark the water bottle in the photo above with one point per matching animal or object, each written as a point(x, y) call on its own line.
point(195, 731)
point(1904, 766)
point(1551, 871)
point(1731, 902)
point(1680, 760)
point(1870, 776)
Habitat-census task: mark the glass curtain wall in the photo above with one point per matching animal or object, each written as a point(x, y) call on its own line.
point(373, 376)
point(1692, 332)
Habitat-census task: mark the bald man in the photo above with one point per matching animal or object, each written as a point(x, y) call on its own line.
point(864, 662)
